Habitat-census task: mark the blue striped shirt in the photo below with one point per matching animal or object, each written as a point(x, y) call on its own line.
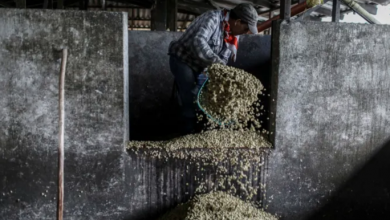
point(202, 44)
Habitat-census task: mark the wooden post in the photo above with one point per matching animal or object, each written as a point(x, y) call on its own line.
point(21, 3)
point(336, 11)
point(285, 9)
point(60, 4)
point(271, 15)
point(172, 15)
point(103, 4)
point(60, 207)
point(48, 4)
point(159, 16)
point(83, 4)
point(132, 19)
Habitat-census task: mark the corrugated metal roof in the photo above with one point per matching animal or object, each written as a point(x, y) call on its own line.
point(139, 18)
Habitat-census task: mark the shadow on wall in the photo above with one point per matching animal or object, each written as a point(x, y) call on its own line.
point(365, 196)
point(153, 114)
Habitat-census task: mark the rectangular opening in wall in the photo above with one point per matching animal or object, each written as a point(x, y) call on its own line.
point(169, 174)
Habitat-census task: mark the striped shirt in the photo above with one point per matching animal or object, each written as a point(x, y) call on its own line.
point(202, 44)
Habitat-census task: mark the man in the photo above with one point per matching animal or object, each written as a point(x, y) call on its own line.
point(211, 38)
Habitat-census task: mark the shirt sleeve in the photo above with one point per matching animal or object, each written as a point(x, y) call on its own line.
point(225, 54)
point(200, 45)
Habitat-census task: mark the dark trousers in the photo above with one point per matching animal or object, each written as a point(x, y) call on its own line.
point(189, 83)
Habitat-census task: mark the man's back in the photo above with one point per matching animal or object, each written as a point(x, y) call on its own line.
point(201, 42)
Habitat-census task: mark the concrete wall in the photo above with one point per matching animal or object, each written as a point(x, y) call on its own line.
point(153, 114)
point(101, 181)
point(95, 124)
point(331, 85)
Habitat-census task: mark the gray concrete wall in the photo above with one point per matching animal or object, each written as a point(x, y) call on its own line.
point(101, 181)
point(153, 115)
point(95, 124)
point(331, 85)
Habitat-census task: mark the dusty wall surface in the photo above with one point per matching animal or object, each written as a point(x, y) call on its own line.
point(153, 114)
point(331, 85)
point(95, 124)
point(101, 181)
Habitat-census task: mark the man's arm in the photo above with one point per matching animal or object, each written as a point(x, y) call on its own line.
point(200, 45)
point(225, 54)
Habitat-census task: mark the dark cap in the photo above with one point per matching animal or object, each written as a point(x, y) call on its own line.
point(247, 13)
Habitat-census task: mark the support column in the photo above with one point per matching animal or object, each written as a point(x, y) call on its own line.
point(48, 4)
point(21, 3)
point(159, 16)
point(103, 4)
point(172, 15)
point(285, 9)
point(271, 15)
point(83, 4)
point(336, 11)
point(60, 4)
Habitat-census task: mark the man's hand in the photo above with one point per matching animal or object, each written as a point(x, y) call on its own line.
point(204, 71)
point(220, 61)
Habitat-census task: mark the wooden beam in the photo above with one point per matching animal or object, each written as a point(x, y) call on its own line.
point(194, 7)
point(299, 8)
point(141, 3)
point(21, 3)
point(263, 3)
point(6, 5)
point(336, 11)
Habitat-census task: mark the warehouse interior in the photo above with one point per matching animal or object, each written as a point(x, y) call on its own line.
point(324, 110)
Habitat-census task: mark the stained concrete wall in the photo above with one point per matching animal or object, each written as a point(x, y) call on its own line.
point(95, 121)
point(101, 181)
point(153, 113)
point(331, 85)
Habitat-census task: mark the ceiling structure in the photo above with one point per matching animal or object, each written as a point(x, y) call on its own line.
point(140, 10)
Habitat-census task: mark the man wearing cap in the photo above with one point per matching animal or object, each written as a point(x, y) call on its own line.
point(211, 38)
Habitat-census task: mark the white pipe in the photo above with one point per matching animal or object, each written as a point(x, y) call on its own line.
point(361, 11)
